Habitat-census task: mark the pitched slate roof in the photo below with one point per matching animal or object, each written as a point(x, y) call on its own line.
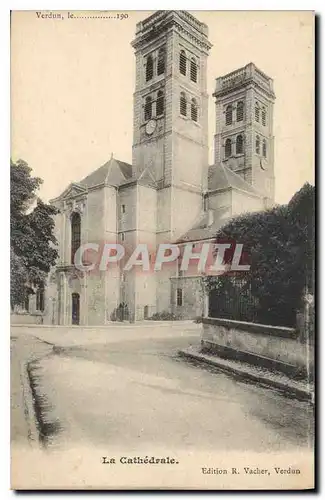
point(221, 177)
point(113, 172)
point(202, 230)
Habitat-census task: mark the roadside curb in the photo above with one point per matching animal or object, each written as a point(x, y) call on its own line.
point(299, 393)
point(33, 434)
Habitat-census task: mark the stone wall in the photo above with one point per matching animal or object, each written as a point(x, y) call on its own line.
point(275, 348)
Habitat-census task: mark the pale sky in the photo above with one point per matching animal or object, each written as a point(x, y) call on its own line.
point(73, 82)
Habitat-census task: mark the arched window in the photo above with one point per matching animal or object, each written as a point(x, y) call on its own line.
point(182, 62)
point(257, 112)
point(149, 68)
point(193, 72)
point(240, 111)
point(239, 144)
point(148, 108)
point(160, 105)
point(228, 148)
point(264, 148)
point(161, 61)
point(229, 114)
point(75, 234)
point(263, 116)
point(257, 144)
point(194, 114)
point(183, 104)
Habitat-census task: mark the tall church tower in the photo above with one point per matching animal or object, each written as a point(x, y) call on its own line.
point(244, 140)
point(170, 139)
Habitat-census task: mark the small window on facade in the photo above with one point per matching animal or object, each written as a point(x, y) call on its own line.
point(182, 62)
point(257, 112)
point(194, 110)
point(229, 115)
point(205, 203)
point(183, 104)
point(228, 148)
point(122, 236)
point(179, 298)
point(161, 61)
point(193, 72)
point(240, 111)
point(160, 103)
point(264, 148)
point(26, 302)
point(263, 116)
point(149, 68)
point(40, 299)
point(257, 144)
point(148, 108)
point(239, 144)
point(75, 234)
point(123, 209)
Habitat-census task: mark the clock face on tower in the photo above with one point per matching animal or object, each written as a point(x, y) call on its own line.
point(151, 127)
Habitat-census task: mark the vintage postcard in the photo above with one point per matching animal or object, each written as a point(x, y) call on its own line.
point(162, 250)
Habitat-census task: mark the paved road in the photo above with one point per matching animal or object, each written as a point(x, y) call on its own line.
point(134, 392)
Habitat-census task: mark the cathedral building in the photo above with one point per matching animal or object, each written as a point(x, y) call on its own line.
point(169, 193)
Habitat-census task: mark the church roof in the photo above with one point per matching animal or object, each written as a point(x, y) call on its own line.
point(113, 172)
point(202, 229)
point(221, 177)
point(146, 178)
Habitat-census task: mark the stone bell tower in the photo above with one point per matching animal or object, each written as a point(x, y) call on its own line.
point(170, 129)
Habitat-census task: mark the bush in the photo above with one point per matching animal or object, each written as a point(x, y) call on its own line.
point(165, 316)
point(279, 245)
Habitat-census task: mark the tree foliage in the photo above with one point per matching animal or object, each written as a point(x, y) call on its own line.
point(280, 245)
point(33, 245)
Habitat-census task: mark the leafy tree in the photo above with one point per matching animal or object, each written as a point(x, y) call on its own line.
point(33, 243)
point(280, 245)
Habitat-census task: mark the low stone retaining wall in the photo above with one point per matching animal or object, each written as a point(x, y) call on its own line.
point(26, 319)
point(272, 347)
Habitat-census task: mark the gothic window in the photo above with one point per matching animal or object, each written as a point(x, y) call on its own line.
point(257, 144)
point(75, 234)
point(179, 297)
point(228, 148)
point(160, 106)
point(240, 111)
point(161, 61)
point(123, 209)
point(193, 72)
point(149, 68)
point(182, 62)
point(40, 299)
point(148, 108)
point(229, 114)
point(194, 113)
point(263, 116)
point(257, 112)
point(264, 148)
point(239, 144)
point(183, 104)
point(122, 236)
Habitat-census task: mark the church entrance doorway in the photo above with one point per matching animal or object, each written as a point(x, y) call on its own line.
point(75, 308)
